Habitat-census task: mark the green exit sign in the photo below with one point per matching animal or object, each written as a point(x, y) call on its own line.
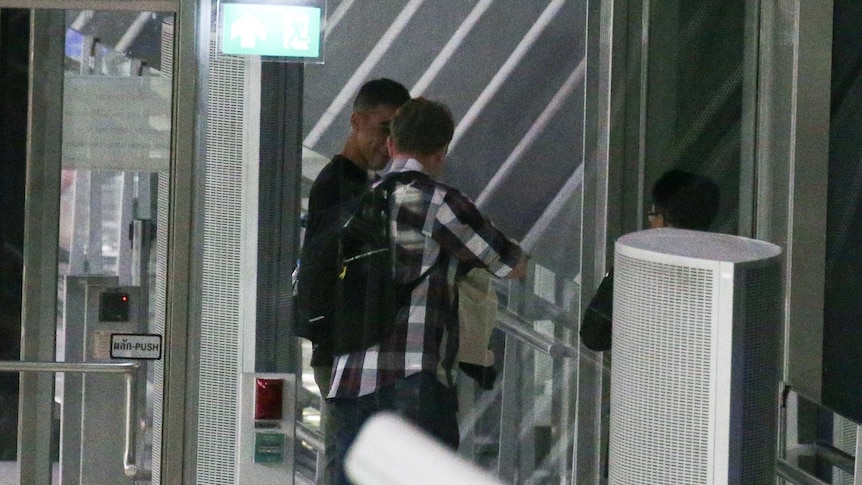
point(271, 30)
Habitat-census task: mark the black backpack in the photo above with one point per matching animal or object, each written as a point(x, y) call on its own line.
point(346, 295)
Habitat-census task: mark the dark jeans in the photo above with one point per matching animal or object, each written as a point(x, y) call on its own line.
point(420, 398)
point(323, 377)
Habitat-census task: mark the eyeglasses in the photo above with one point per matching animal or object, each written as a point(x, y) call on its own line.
point(652, 214)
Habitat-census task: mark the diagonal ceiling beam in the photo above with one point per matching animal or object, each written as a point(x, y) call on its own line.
point(335, 18)
point(361, 74)
point(572, 186)
point(553, 107)
point(506, 70)
point(449, 49)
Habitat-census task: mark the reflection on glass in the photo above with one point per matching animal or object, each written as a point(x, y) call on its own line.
point(696, 96)
point(113, 203)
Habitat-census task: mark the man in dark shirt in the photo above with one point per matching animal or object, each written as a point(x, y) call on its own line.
point(344, 177)
point(347, 174)
point(684, 200)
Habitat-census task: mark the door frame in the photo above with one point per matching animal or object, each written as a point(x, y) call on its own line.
point(185, 231)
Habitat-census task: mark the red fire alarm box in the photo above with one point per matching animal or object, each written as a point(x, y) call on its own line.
point(268, 400)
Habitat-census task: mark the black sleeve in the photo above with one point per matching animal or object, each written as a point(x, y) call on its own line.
point(330, 190)
point(325, 191)
point(596, 329)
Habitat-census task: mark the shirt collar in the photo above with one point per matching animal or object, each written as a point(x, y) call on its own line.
point(406, 165)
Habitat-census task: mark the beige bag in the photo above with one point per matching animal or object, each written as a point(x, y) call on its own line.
point(477, 314)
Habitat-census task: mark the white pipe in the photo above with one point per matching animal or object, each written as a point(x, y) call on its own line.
point(81, 21)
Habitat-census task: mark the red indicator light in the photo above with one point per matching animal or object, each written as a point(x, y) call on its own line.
point(268, 398)
point(114, 307)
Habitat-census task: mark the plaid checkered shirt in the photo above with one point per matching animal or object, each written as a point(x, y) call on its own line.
point(435, 228)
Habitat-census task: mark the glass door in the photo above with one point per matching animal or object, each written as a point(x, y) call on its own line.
point(86, 191)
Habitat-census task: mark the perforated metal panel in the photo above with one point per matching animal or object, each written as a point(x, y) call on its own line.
point(660, 373)
point(167, 47)
point(760, 356)
point(159, 311)
point(161, 249)
point(694, 378)
point(220, 313)
point(844, 438)
point(229, 143)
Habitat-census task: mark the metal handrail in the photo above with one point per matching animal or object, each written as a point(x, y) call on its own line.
point(514, 325)
point(129, 369)
point(556, 313)
point(840, 458)
point(795, 475)
point(537, 304)
point(311, 436)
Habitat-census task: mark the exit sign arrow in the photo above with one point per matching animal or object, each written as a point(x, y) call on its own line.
point(248, 28)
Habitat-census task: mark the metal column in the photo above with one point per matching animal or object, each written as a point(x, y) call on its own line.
point(41, 233)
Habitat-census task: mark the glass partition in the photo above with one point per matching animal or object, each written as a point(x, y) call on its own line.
point(115, 99)
point(694, 97)
point(14, 34)
point(842, 366)
point(116, 155)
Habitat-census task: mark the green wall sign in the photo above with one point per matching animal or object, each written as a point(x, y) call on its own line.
point(271, 30)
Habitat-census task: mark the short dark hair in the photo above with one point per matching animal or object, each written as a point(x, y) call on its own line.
point(686, 200)
point(380, 92)
point(422, 127)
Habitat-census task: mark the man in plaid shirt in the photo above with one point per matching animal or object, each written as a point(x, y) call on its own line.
point(439, 235)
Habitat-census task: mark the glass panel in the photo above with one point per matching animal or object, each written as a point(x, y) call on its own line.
point(817, 440)
point(694, 101)
point(113, 212)
point(14, 34)
point(842, 364)
point(116, 146)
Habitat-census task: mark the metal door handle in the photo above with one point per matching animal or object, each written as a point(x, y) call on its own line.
point(129, 369)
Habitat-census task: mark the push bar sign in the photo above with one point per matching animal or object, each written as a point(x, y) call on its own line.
point(136, 346)
point(285, 29)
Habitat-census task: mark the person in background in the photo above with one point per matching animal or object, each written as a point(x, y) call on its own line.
point(345, 176)
point(680, 199)
point(435, 226)
point(684, 200)
point(349, 173)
